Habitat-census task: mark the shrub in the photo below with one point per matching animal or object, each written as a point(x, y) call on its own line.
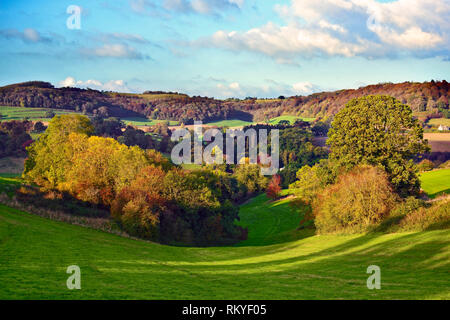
point(49, 114)
point(407, 206)
point(250, 179)
point(435, 217)
point(425, 165)
point(312, 180)
point(39, 127)
point(274, 188)
point(398, 213)
point(360, 199)
point(445, 165)
point(137, 208)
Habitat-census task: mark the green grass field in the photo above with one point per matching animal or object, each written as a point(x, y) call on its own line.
point(135, 121)
point(436, 182)
point(9, 182)
point(438, 122)
point(34, 114)
point(230, 123)
point(38, 114)
point(276, 262)
point(291, 119)
point(270, 222)
point(240, 123)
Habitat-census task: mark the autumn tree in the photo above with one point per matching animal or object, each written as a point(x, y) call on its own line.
point(48, 160)
point(361, 198)
point(274, 188)
point(380, 131)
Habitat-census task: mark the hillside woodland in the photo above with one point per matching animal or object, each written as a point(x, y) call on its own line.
point(428, 100)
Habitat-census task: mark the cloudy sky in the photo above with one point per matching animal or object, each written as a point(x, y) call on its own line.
point(225, 48)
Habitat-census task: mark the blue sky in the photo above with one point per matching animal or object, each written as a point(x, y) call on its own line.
point(225, 48)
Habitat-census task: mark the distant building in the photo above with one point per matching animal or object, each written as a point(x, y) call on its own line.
point(443, 128)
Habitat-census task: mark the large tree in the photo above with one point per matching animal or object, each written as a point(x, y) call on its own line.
point(380, 131)
point(47, 157)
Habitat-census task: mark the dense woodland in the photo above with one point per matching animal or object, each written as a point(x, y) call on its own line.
point(429, 99)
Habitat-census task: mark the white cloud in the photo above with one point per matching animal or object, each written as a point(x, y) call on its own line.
point(284, 41)
point(31, 35)
point(326, 25)
point(304, 88)
point(112, 85)
point(67, 82)
point(27, 35)
point(268, 89)
point(125, 37)
point(202, 6)
point(235, 86)
point(346, 28)
point(117, 50)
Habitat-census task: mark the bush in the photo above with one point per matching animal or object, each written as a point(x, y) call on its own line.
point(39, 127)
point(312, 180)
point(137, 208)
point(425, 165)
point(49, 114)
point(398, 213)
point(274, 188)
point(250, 179)
point(445, 165)
point(360, 199)
point(435, 217)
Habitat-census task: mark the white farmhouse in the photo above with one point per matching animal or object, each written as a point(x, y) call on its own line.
point(443, 128)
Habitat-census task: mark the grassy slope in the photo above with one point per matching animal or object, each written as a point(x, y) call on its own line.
point(270, 222)
point(35, 252)
point(241, 123)
point(230, 123)
point(135, 121)
point(34, 114)
point(291, 119)
point(276, 262)
point(438, 122)
point(436, 182)
point(38, 114)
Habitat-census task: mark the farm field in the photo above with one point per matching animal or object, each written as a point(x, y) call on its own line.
point(12, 165)
point(276, 262)
point(439, 142)
point(241, 123)
point(436, 182)
point(34, 114)
point(439, 121)
point(291, 119)
point(145, 122)
point(230, 123)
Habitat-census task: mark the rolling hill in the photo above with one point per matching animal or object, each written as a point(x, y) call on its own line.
point(276, 262)
point(427, 100)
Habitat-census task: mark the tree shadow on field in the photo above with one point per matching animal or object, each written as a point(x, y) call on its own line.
point(409, 269)
point(349, 250)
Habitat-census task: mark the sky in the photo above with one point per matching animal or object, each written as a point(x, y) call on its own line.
point(224, 48)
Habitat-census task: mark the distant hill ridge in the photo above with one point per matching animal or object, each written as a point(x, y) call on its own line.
point(426, 99)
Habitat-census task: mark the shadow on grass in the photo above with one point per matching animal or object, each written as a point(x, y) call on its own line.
point(439, 193)
point(413, 266)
